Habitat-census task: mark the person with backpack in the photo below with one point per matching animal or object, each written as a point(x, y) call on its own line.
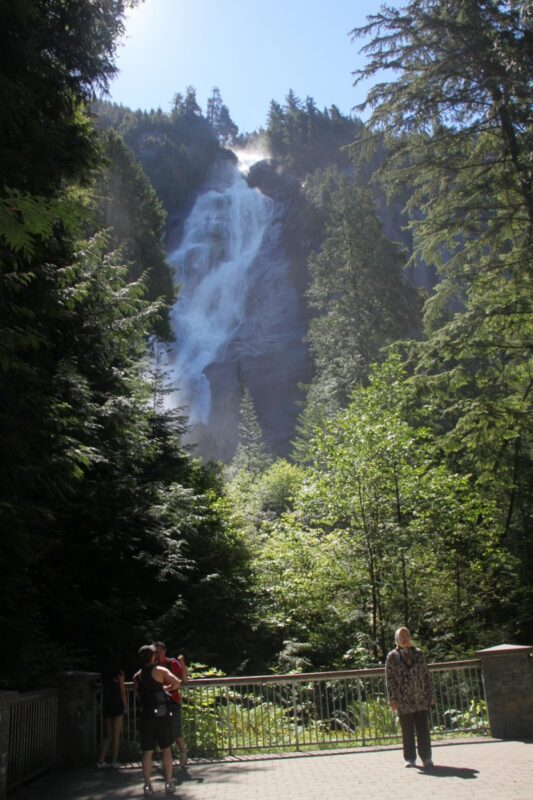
point(152, 682)
point(178, 668)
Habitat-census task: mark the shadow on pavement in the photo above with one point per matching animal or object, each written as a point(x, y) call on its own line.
point(441, 771)
point(184, 776)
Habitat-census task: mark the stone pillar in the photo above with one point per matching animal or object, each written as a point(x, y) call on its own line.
point(6, 699)
point(76, 724)
point(508, 678)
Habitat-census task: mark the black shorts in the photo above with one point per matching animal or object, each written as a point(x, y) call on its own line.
point(155, 731)
point(176, 726)
point(111, 710)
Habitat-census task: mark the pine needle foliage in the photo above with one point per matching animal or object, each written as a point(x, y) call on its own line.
point(457, 119)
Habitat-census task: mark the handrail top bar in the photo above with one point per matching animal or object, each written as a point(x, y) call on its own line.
point(467, 662)
point(302, 677)
point(32, 695)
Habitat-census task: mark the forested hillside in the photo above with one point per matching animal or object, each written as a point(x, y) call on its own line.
point(175, 149)
point(405, 496)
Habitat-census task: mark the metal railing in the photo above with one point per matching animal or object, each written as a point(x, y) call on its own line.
point(32, 744)
point(274, 713)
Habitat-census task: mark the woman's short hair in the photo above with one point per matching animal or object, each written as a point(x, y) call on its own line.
point(399, 632)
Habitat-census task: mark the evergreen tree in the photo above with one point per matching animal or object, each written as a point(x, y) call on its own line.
point(227, 130)
point(100, 499)
point(214, 104)
point(357, 286)
point(251, 455)
point(54, 57)
point(219, 585)
point(275, 125)
point(457, 117)
point(464, 89)
point(219, 118)
point(305, 139)
point(126, 204)
point(116, 528)
point(175, 150)
point(364, 302)
point(189, 106)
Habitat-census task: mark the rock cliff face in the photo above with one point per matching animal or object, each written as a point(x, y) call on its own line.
point(241, 318)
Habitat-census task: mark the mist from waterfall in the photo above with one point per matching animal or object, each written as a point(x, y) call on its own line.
point(222, 237)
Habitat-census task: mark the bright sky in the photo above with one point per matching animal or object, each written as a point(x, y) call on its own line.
point(253, 50)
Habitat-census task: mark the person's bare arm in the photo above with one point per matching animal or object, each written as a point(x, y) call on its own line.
point(122, 685)
point(184, 673)
point(169, 681)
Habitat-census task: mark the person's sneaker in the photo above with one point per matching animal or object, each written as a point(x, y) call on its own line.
point(115, 765)
point(102, 765)
point(169, 788)
point(428, 763)
point(183, 758)
point(410, 762)
point(148, 791)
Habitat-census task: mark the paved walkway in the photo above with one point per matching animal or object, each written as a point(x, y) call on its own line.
point(468, 770)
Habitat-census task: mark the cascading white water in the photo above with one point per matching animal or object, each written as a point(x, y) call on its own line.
point(221, 239)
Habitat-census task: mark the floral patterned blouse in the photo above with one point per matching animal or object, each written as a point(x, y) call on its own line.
point(408, 680)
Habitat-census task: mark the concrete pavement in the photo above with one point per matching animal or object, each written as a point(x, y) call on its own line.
point(466, 770)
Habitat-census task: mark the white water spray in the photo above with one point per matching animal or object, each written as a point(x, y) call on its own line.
point(222, 237)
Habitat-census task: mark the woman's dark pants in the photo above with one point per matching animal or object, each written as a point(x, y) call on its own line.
point(418, 721)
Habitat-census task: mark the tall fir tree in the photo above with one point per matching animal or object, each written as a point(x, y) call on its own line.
point(362, 299)
point(457, 117)
point(251, 455)
point(103, 505)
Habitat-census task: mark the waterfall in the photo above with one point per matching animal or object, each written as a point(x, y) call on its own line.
point(222, 237)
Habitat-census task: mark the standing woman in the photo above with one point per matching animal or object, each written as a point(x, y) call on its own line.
point(113, 705)
point(152, 682)
point(410, 695)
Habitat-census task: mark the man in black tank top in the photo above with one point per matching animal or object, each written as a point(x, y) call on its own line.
point(151, 684)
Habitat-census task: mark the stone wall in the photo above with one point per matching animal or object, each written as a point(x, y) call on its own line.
point(76, 744)
point(508, 678)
